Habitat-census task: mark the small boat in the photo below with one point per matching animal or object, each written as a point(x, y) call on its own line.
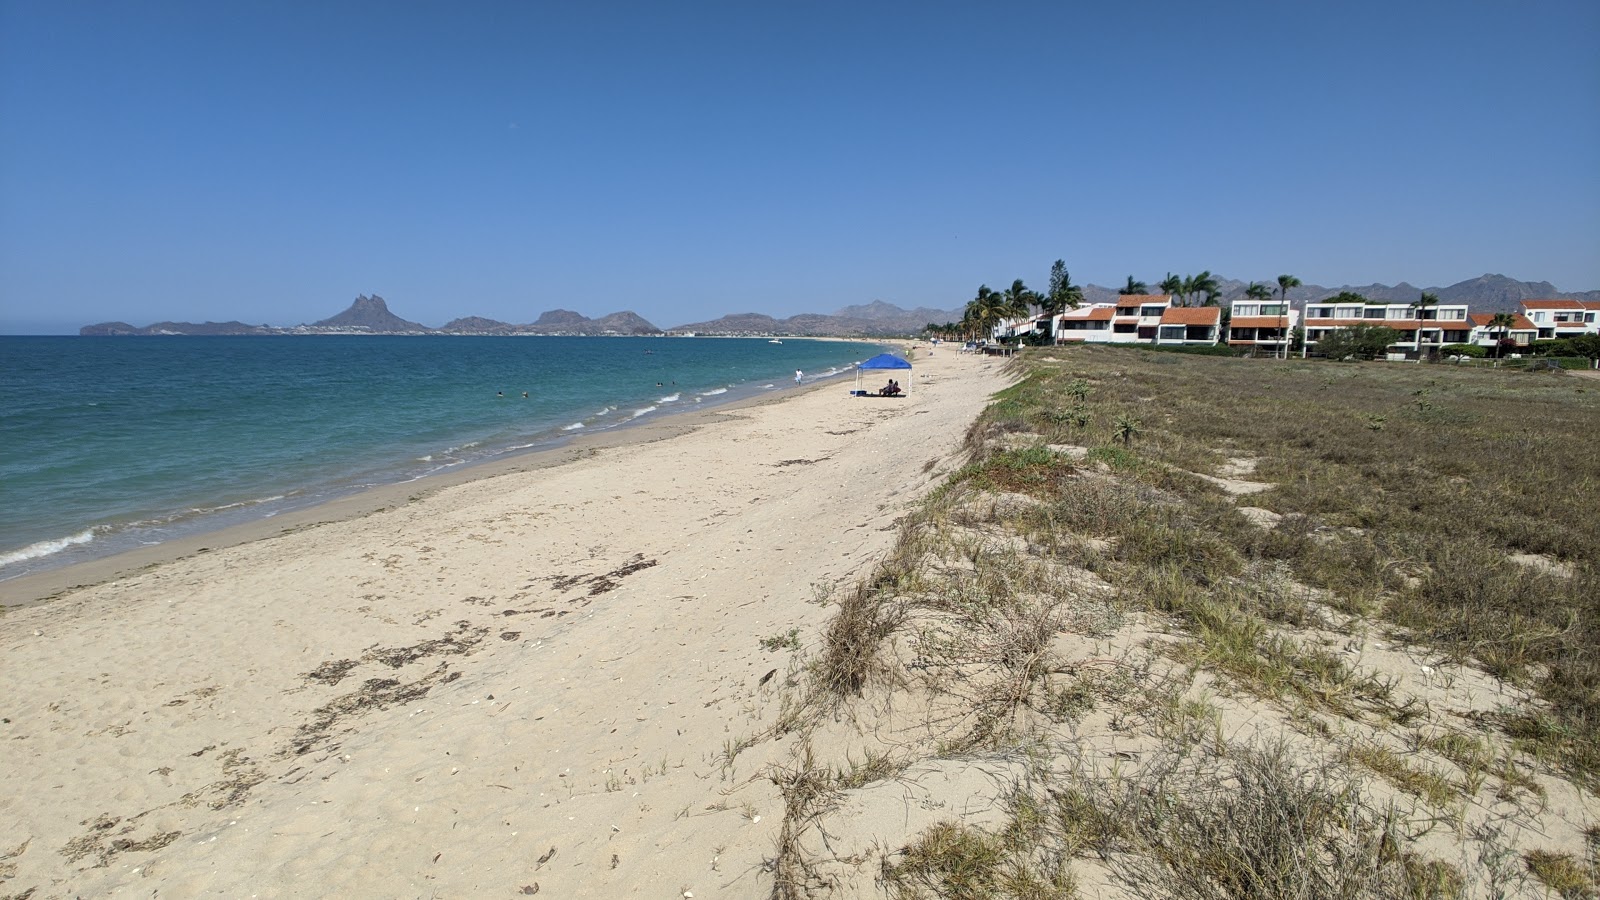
point(774, 341)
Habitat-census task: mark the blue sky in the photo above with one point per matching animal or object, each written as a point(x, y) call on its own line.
point(269, 161)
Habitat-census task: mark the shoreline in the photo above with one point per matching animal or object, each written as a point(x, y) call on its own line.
point(537, 679)
point(43, 586)
point(52, 579)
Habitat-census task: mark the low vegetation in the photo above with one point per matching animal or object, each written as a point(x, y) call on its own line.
point(1251, 628)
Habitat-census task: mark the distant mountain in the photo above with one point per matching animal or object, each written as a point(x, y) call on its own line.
point(560, 318)
point(875, 319)
point(477, 325)
point(370, 314)
point(1484, 294)
point(175, 328)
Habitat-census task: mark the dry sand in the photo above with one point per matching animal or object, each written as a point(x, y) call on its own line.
point(525, 682)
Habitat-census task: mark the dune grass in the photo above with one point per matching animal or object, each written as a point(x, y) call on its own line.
point(1441, 507)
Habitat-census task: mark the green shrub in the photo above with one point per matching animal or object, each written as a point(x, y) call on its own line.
point(1557, 347)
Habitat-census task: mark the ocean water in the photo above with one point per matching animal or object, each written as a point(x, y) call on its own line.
point(113, 443)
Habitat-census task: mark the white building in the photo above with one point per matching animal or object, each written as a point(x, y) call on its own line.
point(1420, 330)
point(1562, 318)
point(1139, 319)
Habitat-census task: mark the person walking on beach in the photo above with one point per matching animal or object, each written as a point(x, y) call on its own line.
point(797, 374)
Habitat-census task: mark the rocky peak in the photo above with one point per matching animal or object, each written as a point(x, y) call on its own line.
point(370, 314)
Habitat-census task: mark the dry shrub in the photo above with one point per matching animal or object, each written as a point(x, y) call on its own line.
point(850, 644)
point(1244, 822)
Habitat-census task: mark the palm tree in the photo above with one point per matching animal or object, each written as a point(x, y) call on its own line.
point(1259, 293)
point(1017, 302)
point(982, 312)
point(1063, 293)
point(1422, 304)
point(1133, 287)
point(1021, 300)
point(1171, 284)
point(1204, 283)
point(1502, 323)
point(1285, 282)
point(1185, 288)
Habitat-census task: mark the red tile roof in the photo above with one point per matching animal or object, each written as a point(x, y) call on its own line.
point(1551, 304)
point(1519, 322)
point(1191, 315)
point(1129, 299)
point(1088, 314)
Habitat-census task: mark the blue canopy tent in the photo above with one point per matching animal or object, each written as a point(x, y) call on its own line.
point(877, 364)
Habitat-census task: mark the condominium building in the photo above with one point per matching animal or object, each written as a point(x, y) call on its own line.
point(1086, 324)
point(1521, 332)
point(1562, 318)
point(1420, 330)
point(1140, 319)
point(1262, 324)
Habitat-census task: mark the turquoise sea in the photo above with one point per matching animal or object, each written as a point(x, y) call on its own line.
point(113, 443)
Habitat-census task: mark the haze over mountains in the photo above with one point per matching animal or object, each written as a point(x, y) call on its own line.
point(371, 315)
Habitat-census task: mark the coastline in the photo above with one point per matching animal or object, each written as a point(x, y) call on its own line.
point(547, 656)
point(41, 587)
point(206, 535)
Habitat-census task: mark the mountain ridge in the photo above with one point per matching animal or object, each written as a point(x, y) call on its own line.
point(1487, 293)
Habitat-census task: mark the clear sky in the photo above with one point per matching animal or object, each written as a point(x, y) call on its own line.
point(268, 161)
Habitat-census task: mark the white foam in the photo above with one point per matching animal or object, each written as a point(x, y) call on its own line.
point(670, 398)
point(713, 392)
point(640, 412)
point(573, 427)
point(46, 548)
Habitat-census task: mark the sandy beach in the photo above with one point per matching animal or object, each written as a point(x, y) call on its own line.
point(524, 680)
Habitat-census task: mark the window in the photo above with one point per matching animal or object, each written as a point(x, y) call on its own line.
point(1319, 312)
point(1349, 312)
point(1152, 310)
point(1246, 310)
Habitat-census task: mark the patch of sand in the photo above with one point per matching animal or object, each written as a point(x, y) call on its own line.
point(536, 681)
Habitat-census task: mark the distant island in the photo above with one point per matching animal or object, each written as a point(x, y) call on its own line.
point(371, 315)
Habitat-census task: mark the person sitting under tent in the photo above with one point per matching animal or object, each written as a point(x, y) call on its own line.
point(890, 389)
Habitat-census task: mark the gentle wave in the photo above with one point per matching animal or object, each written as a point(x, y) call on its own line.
point(640, 412)
point(573, 427)
point(713, 392)
point(670, 398)
point(46, 548)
